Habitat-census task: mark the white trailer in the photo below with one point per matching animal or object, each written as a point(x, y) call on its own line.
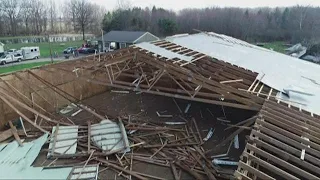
point(30, 52)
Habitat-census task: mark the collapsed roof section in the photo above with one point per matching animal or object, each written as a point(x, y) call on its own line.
point(208, 81)
point(276, 70)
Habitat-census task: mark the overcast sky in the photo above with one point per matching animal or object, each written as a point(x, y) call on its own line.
point(180, 4)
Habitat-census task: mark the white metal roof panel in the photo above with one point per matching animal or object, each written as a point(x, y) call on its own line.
point(88, 172)
point(66, 142)
point(280, 71)
point(16, 162)
point(107, 135)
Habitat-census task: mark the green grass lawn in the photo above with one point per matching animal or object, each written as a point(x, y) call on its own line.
point(45, 47)
point(276, 46)
point(19, 67)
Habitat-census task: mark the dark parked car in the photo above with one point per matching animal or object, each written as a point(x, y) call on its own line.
point(69, 50)
point(81, 50)
point(87, 51)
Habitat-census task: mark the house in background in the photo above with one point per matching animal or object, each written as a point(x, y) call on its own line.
point(122, 39)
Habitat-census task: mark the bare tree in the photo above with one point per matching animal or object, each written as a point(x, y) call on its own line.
point(124, 4)
point(39, 17)
point(81, 13)
point(52, 15)
point(11, 9)
point(97, 18)
point(26, 12)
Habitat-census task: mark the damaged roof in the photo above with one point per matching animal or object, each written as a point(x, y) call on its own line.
point(299, 81)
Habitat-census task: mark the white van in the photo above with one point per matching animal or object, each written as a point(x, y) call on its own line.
point(30, 52)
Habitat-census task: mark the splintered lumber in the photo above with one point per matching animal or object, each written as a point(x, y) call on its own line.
point(134, 174)
point(158, 150)
point(231, 136)
point(25, 98)
point(188, 170)
point(30, 109)
point(151, 161)
point(175, 102)
point(153, 129)
point(15, 134)
point(169, 145)
point(22, 115)
point(252, 119)
point(30, 86)
point(84, 166)
point(234, 126)
point(203, 165)
point(196, 126)
point(174, 171)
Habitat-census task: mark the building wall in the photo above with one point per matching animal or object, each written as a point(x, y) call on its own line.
point(77, 87)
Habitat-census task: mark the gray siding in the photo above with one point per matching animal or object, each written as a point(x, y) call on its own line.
point(146, 38)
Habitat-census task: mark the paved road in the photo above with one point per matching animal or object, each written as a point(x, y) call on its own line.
point(40, 60)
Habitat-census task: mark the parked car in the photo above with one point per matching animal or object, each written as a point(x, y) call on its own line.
point(8, 58)
point(89, 50)
point(69, 50)
point(81, 50)
point(85, 50)
point(14, 51)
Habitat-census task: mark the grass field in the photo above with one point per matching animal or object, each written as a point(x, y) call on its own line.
point(276, 46)
point(45, 47)
point(22, 66)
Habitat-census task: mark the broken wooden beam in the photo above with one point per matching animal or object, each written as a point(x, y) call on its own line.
point(15, 134)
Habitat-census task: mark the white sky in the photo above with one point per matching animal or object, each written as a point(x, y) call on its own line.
point(180, 4)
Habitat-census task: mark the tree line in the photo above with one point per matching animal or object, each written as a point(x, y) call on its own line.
point(294, 24)
point(41, 17)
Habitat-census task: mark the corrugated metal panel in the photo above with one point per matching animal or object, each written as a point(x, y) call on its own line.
point(66, 140)
point(107, 135)
point(280, 71)
point(88, 172)
point(16, 162)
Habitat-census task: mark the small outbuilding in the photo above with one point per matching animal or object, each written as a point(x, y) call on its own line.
point(122, 39)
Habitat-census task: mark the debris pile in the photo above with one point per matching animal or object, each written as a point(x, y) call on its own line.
point(117, 144)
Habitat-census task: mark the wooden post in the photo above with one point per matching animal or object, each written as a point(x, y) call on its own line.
point(15, 134)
